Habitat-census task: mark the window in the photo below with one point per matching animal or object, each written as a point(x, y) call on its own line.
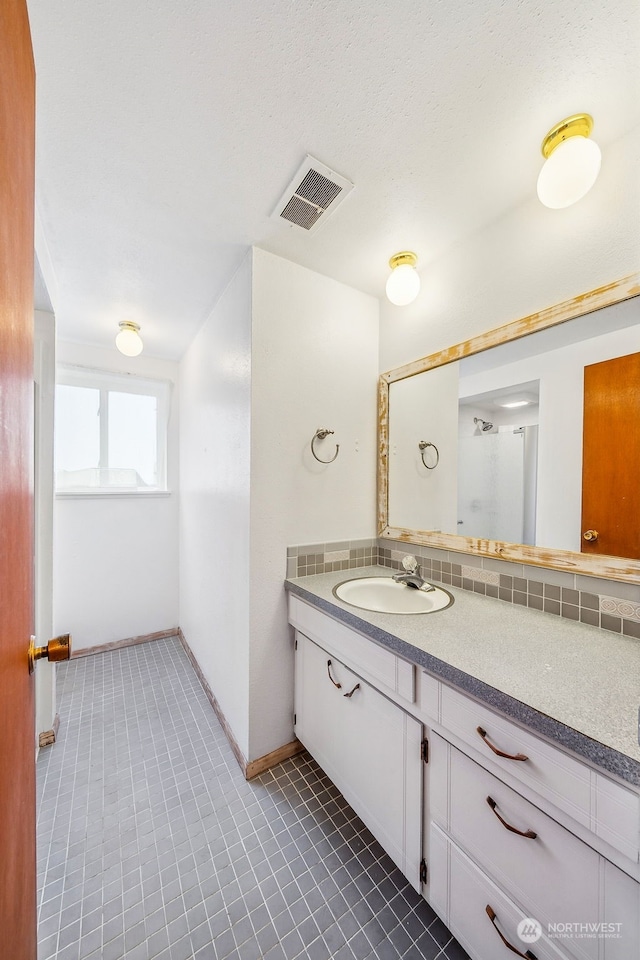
point(110, 432)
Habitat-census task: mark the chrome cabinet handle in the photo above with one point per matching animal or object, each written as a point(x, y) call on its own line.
point(351, 692)
point(499, 753)
point(492, 916)
point(337, 685)
point(529, 834)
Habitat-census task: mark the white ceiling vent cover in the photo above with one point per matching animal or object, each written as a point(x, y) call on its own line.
point(313, 194)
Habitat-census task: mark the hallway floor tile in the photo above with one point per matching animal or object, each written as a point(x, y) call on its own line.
point(152, 846)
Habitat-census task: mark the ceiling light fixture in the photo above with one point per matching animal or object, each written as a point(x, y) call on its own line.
point(403, 284)
point(129, 341)
point(516, 403)
point(572, 162)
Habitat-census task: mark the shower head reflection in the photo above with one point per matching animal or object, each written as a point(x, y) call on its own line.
point(483, 424)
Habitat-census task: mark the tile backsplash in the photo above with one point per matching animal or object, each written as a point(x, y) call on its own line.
point(607, 604)
point(327, 557)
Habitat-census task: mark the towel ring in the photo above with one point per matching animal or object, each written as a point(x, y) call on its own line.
point(422, 446)
point(320, 434)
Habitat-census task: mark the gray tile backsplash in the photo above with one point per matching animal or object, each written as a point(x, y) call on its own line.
point(607, 604)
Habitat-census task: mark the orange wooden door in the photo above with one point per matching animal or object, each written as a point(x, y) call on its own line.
point(611, 457)
point(17, 737)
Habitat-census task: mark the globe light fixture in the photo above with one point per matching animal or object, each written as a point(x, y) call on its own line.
point(572, 162)
point(128, 341)
point(403, 284)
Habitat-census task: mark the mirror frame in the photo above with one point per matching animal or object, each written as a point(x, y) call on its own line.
point(613, 568)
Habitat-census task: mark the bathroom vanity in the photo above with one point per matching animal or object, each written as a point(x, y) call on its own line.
point(493, 752)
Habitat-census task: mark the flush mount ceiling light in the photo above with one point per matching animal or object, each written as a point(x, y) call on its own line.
point(572, 162)
point(128, 341)
point(516, 403)
point(403, 284)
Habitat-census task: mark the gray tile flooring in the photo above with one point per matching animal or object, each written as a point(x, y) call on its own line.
point(151, 844)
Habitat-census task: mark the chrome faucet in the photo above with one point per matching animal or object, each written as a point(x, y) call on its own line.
point(412, 577)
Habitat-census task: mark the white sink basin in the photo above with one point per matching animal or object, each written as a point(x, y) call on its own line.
point(385, 595)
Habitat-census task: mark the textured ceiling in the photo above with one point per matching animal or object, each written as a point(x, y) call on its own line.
point(167, 132)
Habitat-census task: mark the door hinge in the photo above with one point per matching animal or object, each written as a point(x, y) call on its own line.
point(424, 750)
point(295, 717)
point(423, 871)
point(295, 645)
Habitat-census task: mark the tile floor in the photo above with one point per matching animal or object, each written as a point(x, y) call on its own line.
point(151, 844)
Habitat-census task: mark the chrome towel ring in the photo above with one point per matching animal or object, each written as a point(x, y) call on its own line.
point(320, 434)
point(422, 446)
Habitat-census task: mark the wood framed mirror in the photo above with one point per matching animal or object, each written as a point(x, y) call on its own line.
point(527, 388)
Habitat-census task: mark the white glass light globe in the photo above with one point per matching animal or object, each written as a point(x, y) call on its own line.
point(129, 342)
point(569, 173)
point(403, 285)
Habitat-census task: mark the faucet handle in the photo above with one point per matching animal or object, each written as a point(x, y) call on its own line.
point(410, 564)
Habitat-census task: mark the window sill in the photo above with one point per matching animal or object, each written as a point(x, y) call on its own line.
point(112, 494)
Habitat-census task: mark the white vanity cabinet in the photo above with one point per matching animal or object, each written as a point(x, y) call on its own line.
point(367, 745)
point(514, 828)
point(503, 847)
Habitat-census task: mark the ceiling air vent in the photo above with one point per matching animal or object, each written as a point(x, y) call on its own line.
point(314, 193)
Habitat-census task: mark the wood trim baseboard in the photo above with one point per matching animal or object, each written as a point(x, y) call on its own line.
point(48, 737)
point(255, 767)
point(250, 768)
point(211, 697)
point(127, 642)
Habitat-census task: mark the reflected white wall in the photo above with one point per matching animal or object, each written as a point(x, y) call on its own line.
point(424, 407)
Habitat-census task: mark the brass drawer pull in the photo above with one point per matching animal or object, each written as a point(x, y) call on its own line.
point(337, 685)
point(351, 692)
point(492, 916)
point(499, 753)
point(529, 834)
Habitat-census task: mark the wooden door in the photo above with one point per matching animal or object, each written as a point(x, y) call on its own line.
point(17, 736)
point(611, 457)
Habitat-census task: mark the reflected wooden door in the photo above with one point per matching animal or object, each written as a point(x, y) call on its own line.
point(611, 458)
point(17, 736)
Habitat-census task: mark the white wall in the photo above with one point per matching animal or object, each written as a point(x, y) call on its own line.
point(215, 418)
point(527, 260)
point(283, 352)
point(314, 364)
point(116, 558)
point(424, 407)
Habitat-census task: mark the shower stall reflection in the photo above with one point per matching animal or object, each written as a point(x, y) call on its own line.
point(497, 483)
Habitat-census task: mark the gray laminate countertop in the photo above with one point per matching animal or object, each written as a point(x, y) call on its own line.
point(575, 684)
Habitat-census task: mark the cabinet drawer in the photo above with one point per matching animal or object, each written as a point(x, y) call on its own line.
point(601, 805)
point(550, 772)
point(469, 893)
point(387, 671)
point(552, 874)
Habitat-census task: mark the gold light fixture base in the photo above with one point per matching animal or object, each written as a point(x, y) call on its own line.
point(129, 325)
point(579, 125)
point(405, 257)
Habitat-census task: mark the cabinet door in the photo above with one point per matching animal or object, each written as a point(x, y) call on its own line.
point(621, 912)
point(368, 746)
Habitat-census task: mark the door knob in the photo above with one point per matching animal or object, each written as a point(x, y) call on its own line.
point(59, 648)
point(590, 535)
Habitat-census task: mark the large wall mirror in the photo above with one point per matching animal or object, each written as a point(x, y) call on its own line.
point(523, 443)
